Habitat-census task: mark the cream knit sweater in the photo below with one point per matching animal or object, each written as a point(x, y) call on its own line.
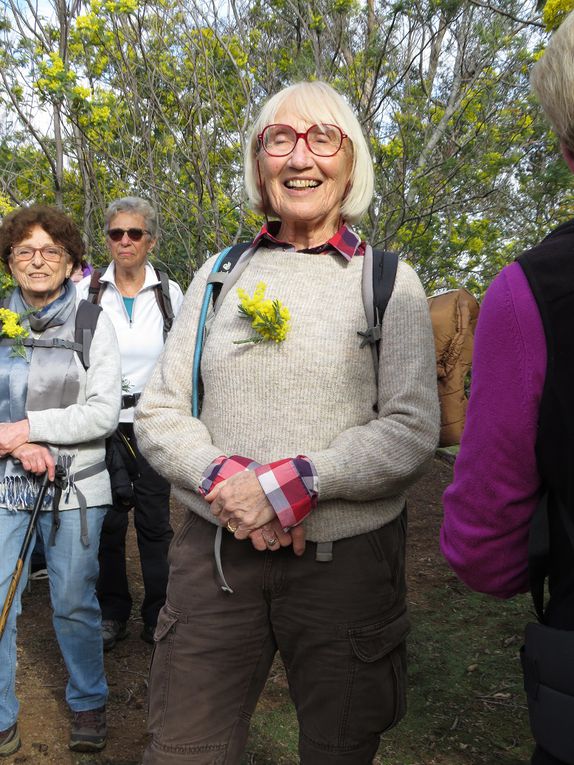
point(314, 394)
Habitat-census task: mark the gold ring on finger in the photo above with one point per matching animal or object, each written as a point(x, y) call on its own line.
point(230, 527)
point(271, 542)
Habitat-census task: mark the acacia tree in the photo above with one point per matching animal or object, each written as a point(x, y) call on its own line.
point(155, 97)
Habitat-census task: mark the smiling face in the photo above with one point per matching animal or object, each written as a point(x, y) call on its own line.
point(127, 254)
point(303, 190)
point(40, 281)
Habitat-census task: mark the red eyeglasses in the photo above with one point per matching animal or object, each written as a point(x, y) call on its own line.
point(322, 140)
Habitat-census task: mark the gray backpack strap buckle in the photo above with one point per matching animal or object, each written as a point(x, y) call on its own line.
point(324, 552)
point(371, 335)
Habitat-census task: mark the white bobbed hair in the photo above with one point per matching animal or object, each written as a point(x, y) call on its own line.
point(315, 102)
point(552, 79)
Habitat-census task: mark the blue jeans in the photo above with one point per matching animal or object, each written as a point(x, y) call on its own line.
point(72, 573)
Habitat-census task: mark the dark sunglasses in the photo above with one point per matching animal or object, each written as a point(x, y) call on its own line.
point(135, 234)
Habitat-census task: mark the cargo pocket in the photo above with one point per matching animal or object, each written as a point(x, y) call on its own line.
point(380, 681)
point(160, 668)
point(166, 620)
point(388, 544)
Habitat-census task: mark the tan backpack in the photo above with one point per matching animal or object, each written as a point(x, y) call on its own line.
point(454, 315)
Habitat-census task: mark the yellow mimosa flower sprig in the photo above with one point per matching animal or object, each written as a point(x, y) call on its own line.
point(269, 318)
point(12, 328)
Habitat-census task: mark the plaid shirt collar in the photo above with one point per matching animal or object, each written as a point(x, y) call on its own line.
point(346, 242)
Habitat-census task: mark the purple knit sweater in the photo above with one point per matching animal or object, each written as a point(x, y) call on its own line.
point(488, 507)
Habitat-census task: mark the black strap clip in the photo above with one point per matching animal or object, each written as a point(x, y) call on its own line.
point(130, 400)
point(371, 335)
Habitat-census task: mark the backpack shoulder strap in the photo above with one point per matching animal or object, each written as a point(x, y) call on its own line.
point(163, 299)
point(379, 273)
point(97, 287)
point(543, 549)
point(220, 276)
point(87, 315)
point(385, 264)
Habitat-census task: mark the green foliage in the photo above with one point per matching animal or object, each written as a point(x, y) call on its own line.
point(6, 283)
point(555, 11)
point(155, 97)
point(465, 682)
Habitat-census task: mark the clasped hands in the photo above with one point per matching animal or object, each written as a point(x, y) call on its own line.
point(35, 458)
point(240, 504)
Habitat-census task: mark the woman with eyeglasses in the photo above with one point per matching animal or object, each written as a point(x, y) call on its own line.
point(59, 400)
point(298, 456)
point(129, 291)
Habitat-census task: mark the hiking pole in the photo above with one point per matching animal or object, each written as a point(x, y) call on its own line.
point(16, 576)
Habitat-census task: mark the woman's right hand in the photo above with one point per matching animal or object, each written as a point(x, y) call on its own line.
point(36, 458)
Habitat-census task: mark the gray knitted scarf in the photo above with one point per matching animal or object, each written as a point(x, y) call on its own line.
point(46, 379)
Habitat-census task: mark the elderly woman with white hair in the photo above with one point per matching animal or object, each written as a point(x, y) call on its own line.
point(508, 513)
point(299, 454)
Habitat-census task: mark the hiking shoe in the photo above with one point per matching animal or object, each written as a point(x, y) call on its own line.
point(9, 741)
point(89, 730)
point(112, 631)
point(147, 633)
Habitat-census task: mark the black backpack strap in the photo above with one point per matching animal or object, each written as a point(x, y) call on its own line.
point(97, 286)
point(539, 552)
point(227, 265)
point(385, 264)
point(378, 286)
point(379, 272)
point(163, 299)
point(87, 315)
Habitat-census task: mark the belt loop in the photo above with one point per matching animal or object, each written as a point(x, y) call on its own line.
point(324, 553)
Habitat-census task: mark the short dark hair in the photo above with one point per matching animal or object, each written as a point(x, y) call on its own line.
point(19, 223)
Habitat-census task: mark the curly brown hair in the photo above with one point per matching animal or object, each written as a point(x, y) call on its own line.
point(18, 224)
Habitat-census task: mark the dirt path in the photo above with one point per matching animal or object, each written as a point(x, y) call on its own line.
point(44, 719)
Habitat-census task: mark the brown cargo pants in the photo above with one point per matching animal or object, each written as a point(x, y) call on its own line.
point(339, 626)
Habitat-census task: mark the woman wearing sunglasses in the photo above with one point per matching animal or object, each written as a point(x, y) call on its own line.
point(298, 456)
point(128, 296)
point(54, 410)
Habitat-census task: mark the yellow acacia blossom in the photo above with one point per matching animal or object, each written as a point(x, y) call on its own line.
point(269, 318)
point(555, 11)
point(11, 328)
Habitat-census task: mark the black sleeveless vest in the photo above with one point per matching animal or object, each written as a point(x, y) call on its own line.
point(549, 269)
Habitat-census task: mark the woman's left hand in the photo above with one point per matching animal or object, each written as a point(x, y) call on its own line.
point(272, 536)
point(13, 435)
point(241, 501)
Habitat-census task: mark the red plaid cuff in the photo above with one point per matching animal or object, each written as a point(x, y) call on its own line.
point(223, 468)
point(290, 485)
